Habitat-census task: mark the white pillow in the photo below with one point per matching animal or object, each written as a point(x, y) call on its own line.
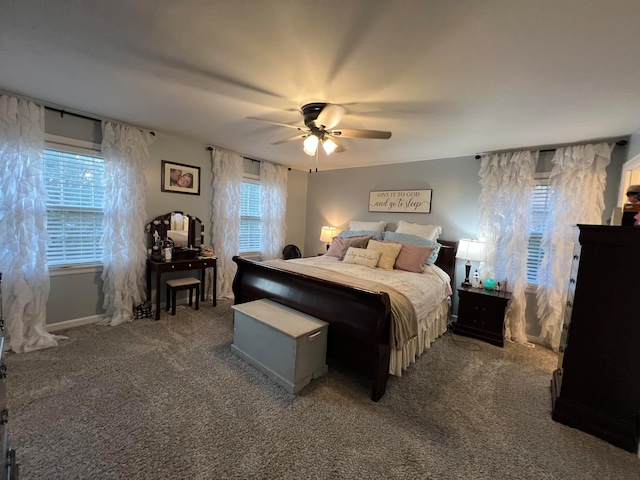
point(371, 226)
point(362, 256)
point(430, 232)
point(388, 253)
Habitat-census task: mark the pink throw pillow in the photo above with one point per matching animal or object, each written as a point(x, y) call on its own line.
point(412, 258)
point(340, 245)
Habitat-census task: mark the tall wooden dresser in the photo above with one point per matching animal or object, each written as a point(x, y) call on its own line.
point(596, 387)
point(8, 467)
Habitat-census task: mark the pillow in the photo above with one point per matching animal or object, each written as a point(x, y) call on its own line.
point(430, 232)
point(375, 226)
point(415, 240)
point(412, 258)
point(362, 256)
point(360, 233)
point(389, 253)
point(340, 245)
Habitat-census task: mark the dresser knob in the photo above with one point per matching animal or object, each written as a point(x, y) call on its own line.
point(189, 265)
point(569, 304)
point(573, 280)
point(173, 267)
point(576, 257)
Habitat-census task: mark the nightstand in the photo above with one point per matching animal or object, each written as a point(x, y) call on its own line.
point(481, 314)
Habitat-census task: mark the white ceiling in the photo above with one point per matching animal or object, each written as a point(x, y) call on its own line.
point(447, 77)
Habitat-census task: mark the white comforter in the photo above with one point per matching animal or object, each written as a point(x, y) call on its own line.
point(426, 290)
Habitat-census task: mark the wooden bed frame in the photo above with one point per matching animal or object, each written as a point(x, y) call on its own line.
point(359, 320)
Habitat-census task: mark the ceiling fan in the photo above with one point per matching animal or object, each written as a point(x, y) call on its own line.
point(320, 120)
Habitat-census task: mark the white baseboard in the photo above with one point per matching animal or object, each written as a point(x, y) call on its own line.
point(76, 322)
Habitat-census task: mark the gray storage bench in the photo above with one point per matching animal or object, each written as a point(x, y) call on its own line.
point(287, 345)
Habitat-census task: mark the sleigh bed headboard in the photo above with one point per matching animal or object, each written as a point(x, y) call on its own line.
point(447, 258)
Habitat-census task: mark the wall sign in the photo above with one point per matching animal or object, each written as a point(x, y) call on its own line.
point(405, 201)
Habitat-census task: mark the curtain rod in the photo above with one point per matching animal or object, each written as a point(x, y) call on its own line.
point(93, 119)
point(57, 108)
point(621, 142)
point(210, 149)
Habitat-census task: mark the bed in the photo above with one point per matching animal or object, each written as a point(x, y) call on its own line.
point(361, 330)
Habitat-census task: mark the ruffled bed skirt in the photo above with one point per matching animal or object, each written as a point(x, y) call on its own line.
point(429, 328)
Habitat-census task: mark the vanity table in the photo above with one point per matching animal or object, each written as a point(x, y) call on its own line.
point(158, 268)
point(186, 234)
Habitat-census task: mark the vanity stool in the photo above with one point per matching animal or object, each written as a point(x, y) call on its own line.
point(176, 284)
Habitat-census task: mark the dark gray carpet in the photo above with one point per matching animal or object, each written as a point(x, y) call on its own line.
point(169, 399)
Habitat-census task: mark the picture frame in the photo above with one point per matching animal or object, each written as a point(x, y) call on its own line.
point(173, 174)
point(402, 201)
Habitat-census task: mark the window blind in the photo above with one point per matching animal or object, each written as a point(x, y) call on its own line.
point(75, 192)
point(250, 226)
point(538, 212)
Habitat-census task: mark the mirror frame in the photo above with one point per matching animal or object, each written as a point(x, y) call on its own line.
point(161, 225)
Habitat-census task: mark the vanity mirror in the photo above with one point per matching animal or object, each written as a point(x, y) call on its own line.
point(185, 232)
point(184, 235)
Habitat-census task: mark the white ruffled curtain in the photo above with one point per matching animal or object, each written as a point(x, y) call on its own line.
point(273, 203)
point(507, 184)
point(227, 170)
point(577, 182)
point(23, 225)
point(126, 155)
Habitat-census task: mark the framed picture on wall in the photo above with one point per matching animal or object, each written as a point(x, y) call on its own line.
point(180, 178)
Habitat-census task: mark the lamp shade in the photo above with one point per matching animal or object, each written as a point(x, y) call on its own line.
point(310, 145)
point(329, 146)
point(472, 250)
point(327, 234)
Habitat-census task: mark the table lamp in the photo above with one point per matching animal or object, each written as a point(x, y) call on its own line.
point(471, 251)
point(327, 234)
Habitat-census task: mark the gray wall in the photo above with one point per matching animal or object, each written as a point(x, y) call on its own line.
point(634, 144)
point(79, 295)
point(335, 197)
point(338, 196)
point(316, 199)
point(178, 150)
point(296, 208)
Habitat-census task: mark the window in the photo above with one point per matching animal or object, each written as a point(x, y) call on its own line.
point(75, 189)
point(250, 228)
point(538, 212)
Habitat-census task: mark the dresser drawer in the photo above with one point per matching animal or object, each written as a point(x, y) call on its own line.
point(568, 311)
point(4, 443)
point(575, 262)
point(181, 266)
point(482, 312)
point(563, 346)
point(571, 287)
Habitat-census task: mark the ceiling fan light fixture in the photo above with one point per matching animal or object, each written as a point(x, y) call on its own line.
point(320, 120)
point(310, 145)
point(329, 146)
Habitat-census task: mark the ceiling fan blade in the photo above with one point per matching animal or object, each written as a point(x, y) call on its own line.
point(355, 133)
point(290, 139)
point(340, 148)
point(330, 116)
point(277, 123)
